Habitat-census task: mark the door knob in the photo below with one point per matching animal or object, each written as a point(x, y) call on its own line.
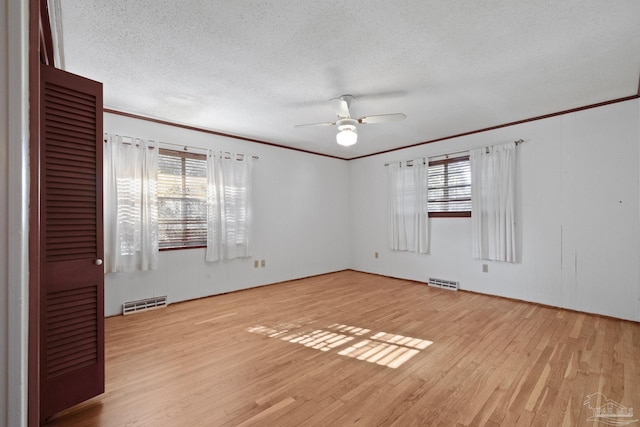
point(98, 261)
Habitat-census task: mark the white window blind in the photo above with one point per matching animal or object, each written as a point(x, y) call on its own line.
point(449, 187)
point(182, 199)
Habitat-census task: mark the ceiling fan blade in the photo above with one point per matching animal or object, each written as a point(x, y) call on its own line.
point(382, 118)
point(316, 124)
point(341, 105)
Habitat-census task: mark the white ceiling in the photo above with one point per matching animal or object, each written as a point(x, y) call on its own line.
point(256, 68)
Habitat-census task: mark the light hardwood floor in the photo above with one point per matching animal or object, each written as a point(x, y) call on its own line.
point(351, 348)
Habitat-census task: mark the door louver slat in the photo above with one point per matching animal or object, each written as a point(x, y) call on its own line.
point(76, 204)
point(71, 116)
point(81, 361)
point(78, 99)
point(56, 152)
point(66, 187)
point(77, 174)
point(72, 170)
point(60, 104)
point(73, 232)
point(61, 139)
point(68, 353)
point(58, 160)
point(80, 313)
point(75, 246)
point(79, 122)
point(62, 212)
point(61, 198)
point(67, 342)
point(76, 131)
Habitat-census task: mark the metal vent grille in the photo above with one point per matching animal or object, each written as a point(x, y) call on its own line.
point(144, 304)
point(444, 284)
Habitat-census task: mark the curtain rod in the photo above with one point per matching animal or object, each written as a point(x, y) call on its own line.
point(518, 142)
point(184, 147)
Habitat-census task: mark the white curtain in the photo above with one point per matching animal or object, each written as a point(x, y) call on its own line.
point(408, 222)
point(228, 206)
point(493, 172)
point(130, 205)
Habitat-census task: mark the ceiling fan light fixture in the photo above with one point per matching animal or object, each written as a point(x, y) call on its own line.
point(347, 132)
point(347, 136)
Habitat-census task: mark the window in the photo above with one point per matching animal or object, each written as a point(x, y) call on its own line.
point(450, 187)
point(182, 199)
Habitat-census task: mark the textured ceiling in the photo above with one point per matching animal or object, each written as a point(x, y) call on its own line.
point(257, 68)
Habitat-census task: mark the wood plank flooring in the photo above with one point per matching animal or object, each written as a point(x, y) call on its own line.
point(351, 348)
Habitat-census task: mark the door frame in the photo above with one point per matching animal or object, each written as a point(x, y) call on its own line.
point(40, 50)
point(15, 144)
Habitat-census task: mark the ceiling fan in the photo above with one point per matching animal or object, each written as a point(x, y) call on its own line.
point(347, 132)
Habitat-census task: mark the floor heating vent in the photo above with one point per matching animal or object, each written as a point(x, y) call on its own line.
point(131, 307)
point(444, 284)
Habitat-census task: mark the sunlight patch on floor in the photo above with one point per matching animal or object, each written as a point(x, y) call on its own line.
point(381, 348)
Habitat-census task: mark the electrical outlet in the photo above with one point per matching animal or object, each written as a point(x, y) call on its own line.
point(485, 268)
point(377, 255)
point(263, 263)
point(256, 263)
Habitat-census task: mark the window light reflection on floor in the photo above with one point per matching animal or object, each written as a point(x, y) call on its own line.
point(381, 348)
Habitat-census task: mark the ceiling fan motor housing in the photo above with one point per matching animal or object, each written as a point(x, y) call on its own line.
point(347, 124)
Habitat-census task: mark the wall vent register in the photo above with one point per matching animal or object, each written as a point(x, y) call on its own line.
point(444, 284)
point(144, 304)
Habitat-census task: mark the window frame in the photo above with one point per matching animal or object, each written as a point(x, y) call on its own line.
point(446, 162)
point(183, 156)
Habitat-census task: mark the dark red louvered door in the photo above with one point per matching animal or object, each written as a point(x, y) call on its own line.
point(72, 278)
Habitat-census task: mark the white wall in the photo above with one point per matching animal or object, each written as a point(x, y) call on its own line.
point(301, 223)
point(578, 215)
point(4, 241)
point(13, 212)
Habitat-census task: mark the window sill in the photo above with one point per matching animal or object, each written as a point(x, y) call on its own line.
point(449, 214)
point(177, 248)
